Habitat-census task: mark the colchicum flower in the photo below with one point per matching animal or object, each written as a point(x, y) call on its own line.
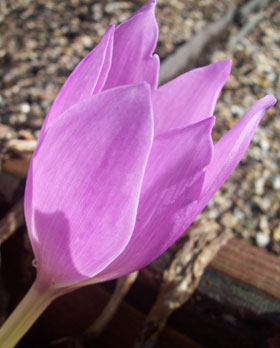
point(122, 167)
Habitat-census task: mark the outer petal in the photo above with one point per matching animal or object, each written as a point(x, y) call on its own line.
point(134, 43)
point(83, 189)
point(173, 180)
point(230, 149)
point(190, 97)
point(88, 78)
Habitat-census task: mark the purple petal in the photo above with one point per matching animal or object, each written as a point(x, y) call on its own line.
point(229, 150)
point(135, 40)
point(173, 180)
point(88, 78)
point(190, 97)
point(83, 188)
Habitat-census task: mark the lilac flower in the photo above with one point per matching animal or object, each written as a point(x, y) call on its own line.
point(122, 167)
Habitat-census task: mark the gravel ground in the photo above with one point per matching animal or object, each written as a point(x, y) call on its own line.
point(249, 202)
point(42, 41)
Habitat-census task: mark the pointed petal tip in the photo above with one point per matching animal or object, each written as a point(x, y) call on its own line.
point(203, 126)
point(107, 36)
point(259, 108)
point(134, 43)
point(227, 63)
point(150, 5)
point(223, 65)
point(269, 100)
point(110, 28)
point(200, 130)
point(208, 123)
point(143, 86)
point(211, 121)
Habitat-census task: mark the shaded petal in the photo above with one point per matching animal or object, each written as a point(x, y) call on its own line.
point(190, 97)
point(134, 43)
point(83, 190)
point(87, 78)
point(173, 180)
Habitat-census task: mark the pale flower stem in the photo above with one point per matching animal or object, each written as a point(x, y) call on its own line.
point(25, 314)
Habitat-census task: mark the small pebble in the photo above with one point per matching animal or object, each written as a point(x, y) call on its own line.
point(87, 41)
point(262, 239)
point(276, 233)
point(96, 12)
point(25, 108)
point(276, 183)
point(265, 144)
point(111, 7)
point(237, 110)
point(259, 186)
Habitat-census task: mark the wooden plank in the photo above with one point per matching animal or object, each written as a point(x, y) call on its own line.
point(226, 313)
point(250, 265)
